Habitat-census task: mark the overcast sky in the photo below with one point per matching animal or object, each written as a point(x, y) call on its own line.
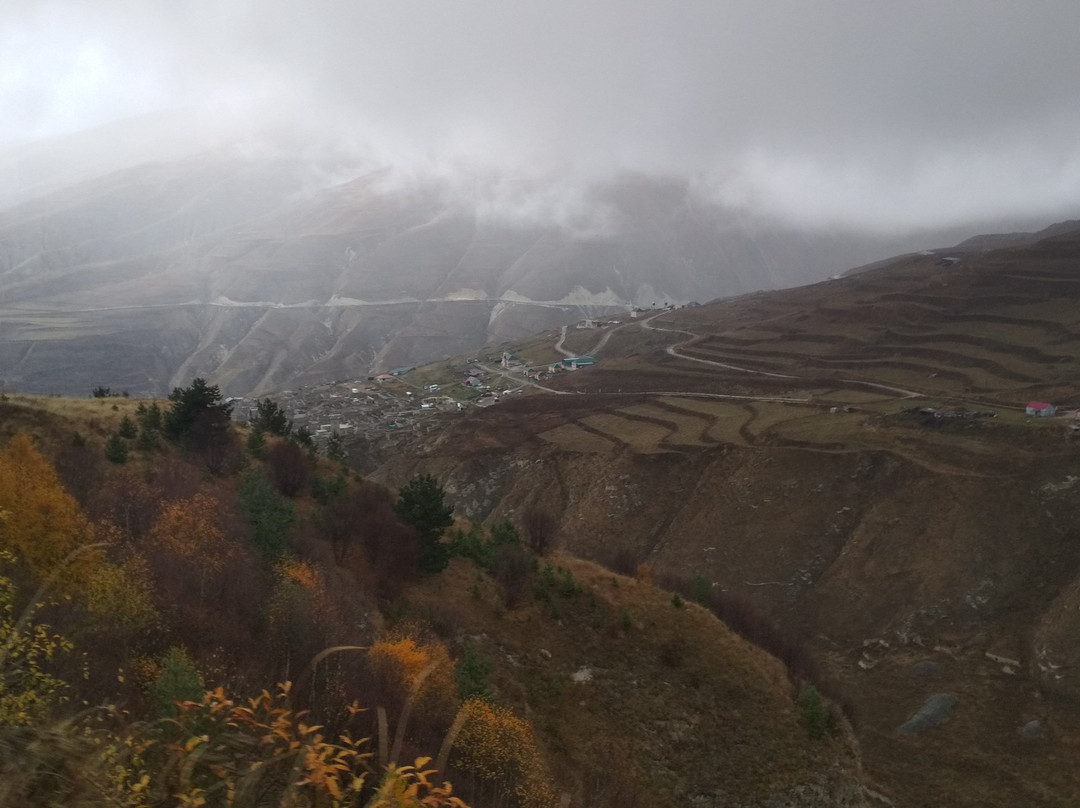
point(885, 114)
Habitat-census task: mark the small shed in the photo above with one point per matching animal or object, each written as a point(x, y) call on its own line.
point(1040, 409)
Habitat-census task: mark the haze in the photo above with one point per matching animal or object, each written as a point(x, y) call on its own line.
point(874, 115)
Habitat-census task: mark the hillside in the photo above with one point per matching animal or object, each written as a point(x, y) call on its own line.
point(261, 268)
point(854, 458)
point(220, 566)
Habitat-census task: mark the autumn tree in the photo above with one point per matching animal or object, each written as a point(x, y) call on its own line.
point(43, 523)
point(421, 505)
point(189, 530)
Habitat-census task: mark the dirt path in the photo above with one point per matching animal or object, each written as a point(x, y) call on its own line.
point(559, 345)
point(673, 350)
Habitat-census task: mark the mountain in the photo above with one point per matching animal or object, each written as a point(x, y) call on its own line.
point(853, 457)
point(262, 268)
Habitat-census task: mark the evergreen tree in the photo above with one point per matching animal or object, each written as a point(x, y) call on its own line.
point(116, 449)
point(256, 442)
point(421, 506)
point(127, 428)
point(271, 418)
point(335, 448)
point(195, 406)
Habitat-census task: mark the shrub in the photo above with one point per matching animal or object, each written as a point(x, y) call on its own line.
point(812, 713)
point(178, 681)
point(116, 449)
point(127, 428)
point(256, 442)
point(471, 674)
point(289, 467)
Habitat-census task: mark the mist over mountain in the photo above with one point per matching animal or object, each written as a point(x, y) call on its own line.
point(264, 267)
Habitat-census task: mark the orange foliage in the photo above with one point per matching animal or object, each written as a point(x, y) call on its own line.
point(189, 530)
point(43, 524)
point(227, 752)
point(399, 666)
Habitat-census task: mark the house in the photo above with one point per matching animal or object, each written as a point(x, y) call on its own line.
point(401, 371)
point(384, 377)
point(1040, 409)
point(575, 362)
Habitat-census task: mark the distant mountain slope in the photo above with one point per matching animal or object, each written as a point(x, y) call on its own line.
point(263, 272)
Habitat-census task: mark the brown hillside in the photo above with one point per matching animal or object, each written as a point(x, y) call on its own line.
point(818, 452)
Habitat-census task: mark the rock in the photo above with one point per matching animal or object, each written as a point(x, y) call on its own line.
point(925, 669)
point(582, 675)
point(934, 712)
point(1032, 730)
point(545, 653)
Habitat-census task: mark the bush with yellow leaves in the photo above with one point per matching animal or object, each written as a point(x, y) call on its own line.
point(497, 750)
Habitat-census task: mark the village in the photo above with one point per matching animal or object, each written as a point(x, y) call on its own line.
point(406, 399)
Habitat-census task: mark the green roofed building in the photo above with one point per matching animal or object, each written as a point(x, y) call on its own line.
point(574, 362)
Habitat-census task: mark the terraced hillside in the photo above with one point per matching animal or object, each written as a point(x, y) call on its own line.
point(852, 457)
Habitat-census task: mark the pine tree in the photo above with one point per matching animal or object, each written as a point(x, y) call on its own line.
point(420, 505)
point(116, 449)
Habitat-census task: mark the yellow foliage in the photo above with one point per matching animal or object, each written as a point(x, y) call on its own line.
point(27, 690)
point(120, 595)
point(302, 574)
point(497, 747)
point(43, 524)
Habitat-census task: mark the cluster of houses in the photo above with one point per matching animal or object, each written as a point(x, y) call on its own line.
point(542, 372)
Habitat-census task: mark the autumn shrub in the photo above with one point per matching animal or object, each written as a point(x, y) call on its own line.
point(497, 760)
point(28, 690)
point(127, 499)
point(418, 674)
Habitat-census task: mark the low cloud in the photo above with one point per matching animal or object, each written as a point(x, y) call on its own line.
point(834, 112)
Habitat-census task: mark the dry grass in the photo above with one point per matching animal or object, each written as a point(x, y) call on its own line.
point(642, 436)
point(674, 704)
